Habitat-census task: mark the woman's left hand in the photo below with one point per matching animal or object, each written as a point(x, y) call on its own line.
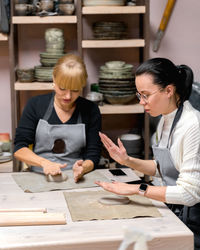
point(119, 188)
point(78, 170)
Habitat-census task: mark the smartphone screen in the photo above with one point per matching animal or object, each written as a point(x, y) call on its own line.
point(117, 172)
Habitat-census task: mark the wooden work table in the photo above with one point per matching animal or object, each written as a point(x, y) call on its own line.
point(168, 231)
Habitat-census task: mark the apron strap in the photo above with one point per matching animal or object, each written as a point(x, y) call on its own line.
point(176, 119)
point(49, 109)
point(79, 120)
point(185, 214)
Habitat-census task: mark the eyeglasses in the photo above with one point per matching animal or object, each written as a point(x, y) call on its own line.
point(146, 97)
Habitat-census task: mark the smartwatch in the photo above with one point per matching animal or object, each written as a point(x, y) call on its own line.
point(143, 188)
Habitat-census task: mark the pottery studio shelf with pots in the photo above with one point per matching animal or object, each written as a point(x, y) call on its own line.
point(135, 43)
point(78, 20)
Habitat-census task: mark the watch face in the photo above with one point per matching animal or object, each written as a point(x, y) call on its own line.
point(143, 187)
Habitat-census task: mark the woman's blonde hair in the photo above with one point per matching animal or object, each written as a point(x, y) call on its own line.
point(70, 72)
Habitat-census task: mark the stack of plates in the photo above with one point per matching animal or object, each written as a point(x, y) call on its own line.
point(116, 82)
point(43, 74)
point(103, 2)
point(49, 59)
point(109, 30)
point(55, 42)
point(54, 50)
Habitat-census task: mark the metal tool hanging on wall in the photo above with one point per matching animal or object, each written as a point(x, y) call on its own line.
point(163, 24)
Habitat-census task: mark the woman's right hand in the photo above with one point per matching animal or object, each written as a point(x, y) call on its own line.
point(52, 168)
point(117, 153)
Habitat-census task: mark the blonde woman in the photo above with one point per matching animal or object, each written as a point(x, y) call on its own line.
point(62, 126)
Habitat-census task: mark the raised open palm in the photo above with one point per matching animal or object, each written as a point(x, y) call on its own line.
point(116, 152)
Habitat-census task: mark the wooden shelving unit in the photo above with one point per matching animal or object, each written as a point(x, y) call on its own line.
point(140, 43)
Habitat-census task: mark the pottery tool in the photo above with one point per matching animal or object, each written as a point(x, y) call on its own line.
point(163, 24)
point(31, 218)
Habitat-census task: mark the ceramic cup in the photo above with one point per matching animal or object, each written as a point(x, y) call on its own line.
point(46, 5)
point(66, 8)
point(23, 9)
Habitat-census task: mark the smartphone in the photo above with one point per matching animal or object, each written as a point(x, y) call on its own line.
point(117, 172)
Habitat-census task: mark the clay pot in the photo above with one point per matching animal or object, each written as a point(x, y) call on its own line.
point(66, 8)
point(46, 5)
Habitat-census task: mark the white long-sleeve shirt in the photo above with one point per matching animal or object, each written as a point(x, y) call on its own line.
point(185, 152)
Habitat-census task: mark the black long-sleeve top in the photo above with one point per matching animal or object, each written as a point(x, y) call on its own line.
point(35, 110)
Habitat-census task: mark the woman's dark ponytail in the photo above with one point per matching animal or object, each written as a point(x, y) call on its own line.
point(184, 82)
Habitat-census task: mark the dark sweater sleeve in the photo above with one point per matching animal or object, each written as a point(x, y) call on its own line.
point(33, 111)
point(92, 118)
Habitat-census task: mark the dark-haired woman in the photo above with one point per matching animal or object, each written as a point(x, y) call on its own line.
point(164, 89)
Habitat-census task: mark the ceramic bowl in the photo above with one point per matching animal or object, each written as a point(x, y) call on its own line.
point(133, 143)
point(95, 97)
point(121, 99)
point(66, 8)
point(114, 64)
point(46, 5)
point(25, 75)
point(23, 9)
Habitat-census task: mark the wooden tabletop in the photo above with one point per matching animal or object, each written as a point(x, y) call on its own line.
point(168, 231)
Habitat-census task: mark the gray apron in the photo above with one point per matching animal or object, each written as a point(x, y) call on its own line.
point(163, 157)
point(62, 143)
point(189, 215)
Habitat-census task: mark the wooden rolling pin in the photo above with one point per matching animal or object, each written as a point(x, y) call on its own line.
point(44, 210)
point(31, 218)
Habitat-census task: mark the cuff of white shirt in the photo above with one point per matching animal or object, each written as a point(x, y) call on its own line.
point(174, 195)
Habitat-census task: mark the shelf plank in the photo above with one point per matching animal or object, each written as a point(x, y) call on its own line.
point(128, 43)
point(92, 10)
point(3, 37)
point(105, 109)
point(121, 109)
point(45, 20)
point(33, 86)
